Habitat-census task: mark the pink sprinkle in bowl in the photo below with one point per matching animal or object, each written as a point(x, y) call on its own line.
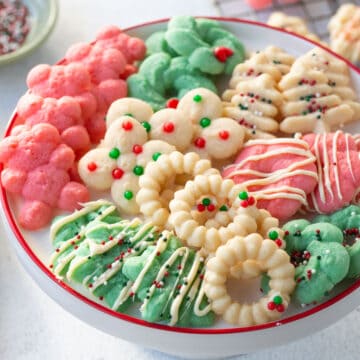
point(42, 19)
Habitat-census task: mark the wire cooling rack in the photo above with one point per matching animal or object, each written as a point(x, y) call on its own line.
point(316, 13)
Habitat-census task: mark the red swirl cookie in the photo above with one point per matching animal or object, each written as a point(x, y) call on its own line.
point(279, 173)
point(338, 167)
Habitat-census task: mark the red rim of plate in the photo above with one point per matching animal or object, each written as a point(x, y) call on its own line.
point(137, 321)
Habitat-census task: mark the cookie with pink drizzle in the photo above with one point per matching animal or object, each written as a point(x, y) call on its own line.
point(279, 173)
point(338, 167)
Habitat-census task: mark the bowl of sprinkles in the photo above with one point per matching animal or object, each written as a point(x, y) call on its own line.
point(24, 25)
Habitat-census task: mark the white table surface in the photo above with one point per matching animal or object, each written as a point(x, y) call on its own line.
point(32, 326)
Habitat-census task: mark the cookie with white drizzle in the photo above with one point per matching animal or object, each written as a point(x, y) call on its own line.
point(67, 232)
point(167, 278)
point(338, 167)
point(279, 173)
point(98, 262)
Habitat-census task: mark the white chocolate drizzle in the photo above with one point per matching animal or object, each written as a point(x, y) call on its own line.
point(325, 187)
point(292, 146)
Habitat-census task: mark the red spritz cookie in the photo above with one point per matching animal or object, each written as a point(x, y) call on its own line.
point(279, 173)
point(338, 167)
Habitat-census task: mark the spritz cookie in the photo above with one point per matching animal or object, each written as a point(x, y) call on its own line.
point(257, 102)
point(196, 213)
point(164, 176)
point(345, 32)
point(273, 261)
point(291, 23)
point(310, 104)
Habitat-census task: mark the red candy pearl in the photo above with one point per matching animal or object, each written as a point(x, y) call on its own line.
point(244, 203)
point(117, 173)
point(127, 125)
point(224, 135)
point(278, 242)
point(172, 103)
point(271, 305)
point(211, 207)
point(92, 166)
point(201, 207)
point(251, 200)
point(169, 127)
point(222, 53)
point(200, 142)
point(137, 149)
point(280, 308)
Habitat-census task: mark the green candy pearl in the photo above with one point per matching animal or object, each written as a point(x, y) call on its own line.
point(129, 114)
point(243, 195)
point(146, 126)
point(277, 300)
point(128, 194)
point(223, 208)
point(138, 170)
point(273, 235)
point(114, 153)
point(205, 122)
point(156, 156)
point(197, 98)
point(206, 201)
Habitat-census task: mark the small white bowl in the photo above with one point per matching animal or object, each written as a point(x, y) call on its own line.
point(34, 248)
point(42, 16)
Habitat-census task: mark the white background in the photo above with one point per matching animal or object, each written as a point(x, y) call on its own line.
point(34, 327)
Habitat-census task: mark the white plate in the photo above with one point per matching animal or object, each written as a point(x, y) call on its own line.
point(33, 250)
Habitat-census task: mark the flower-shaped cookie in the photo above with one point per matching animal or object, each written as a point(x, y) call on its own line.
point(35, 166)
point(193, 124)
point(120, 159)
point(183, 58)
point(208, 46)
point(160, 75)
point(63, 113)
point(131, 47)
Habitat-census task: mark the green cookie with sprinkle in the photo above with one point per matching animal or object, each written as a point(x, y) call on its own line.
point(68, 232)
point(347, 220)
point(98, 261)
point(320, 259)
point(168, 280)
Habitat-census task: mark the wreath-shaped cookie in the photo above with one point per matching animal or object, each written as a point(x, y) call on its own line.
point(183, 58)
point(211, 210)
point(272, 260)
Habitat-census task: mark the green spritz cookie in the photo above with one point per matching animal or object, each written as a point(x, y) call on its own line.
point(184, 57)
point(168, 280)
point(320, 259)
point(99, 259)
point(347, 220)
point(68, 232)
